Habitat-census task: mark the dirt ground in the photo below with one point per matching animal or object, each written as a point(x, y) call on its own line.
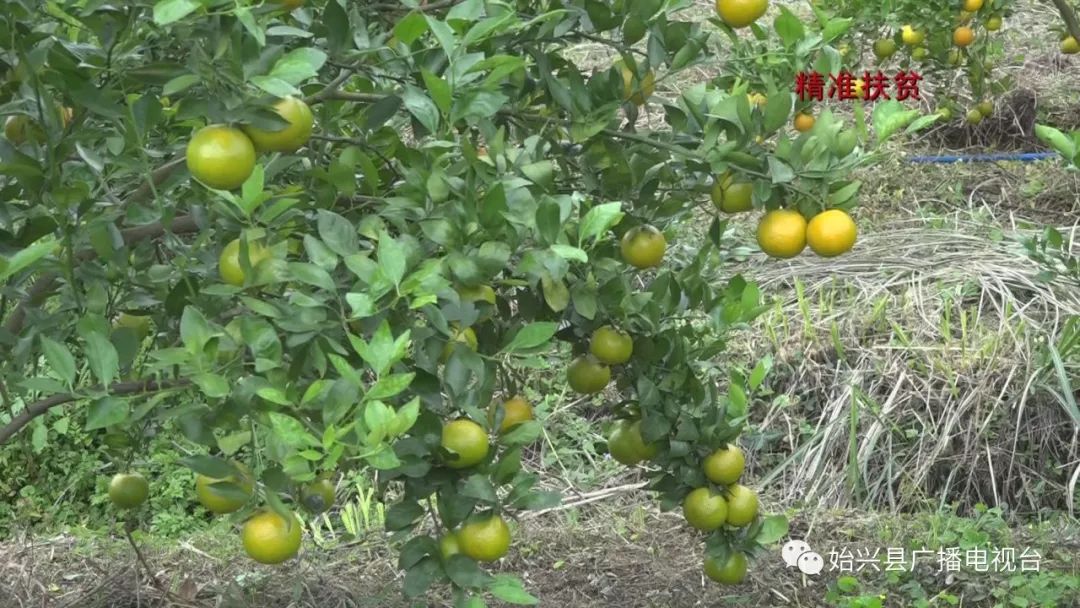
point(623, 553)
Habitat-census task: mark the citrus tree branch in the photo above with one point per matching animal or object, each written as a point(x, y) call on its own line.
point(1069, 15)
point(38, 408)
point(47, 282)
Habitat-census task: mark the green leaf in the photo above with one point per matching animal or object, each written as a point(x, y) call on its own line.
point(598, 221)
point(573, 254)
point(439, 90)
point(479, 487)
point(524, 433)
point(391, 258)
point(844, 194)
point(179, 84)
point(102, 358)
point(212, 385)
point(195, 331)
point(210, 466)
point(60, 359)
point(1057, 140)
point(777, 111)
point(410, 28)
point(466, 573)
point(292, 431)
point(27, 256)
point(389, 386)
point(273, 395)
point(891, 116)
point(556, 294)
point(420, 576)
point(231, 443)
point(243, 14)
point(531, 336)
point(773, 528)
point(381, 111)
point(781, 172)
point(789, 27)
point(105, 412)
point(421, 107)
point(509, 589)
point(312, 275)
point(338, 233)
point(298, 65)
point(169, 11)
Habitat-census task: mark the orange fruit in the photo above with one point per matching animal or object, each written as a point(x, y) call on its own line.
point(643, 247)
point(293, 136)
point(466, 439)
point(731, 572)
point(229, 266)
point(128, 490)
point(782, 233)
point(448, 545)
point(611, 346)
point(884, 48)
point(627, 446)
point(972, 6)
point(705, 509)
point(963, 36)
point(804, 122)
point(515, 411)
point(742, 504)
point(587, 375)
point(725, 465)
point(994, 23)
point(221, 157)
point(741, 13)
point(831, 233)
point(270, 538)
point(1069, 46)
point(911, 36)
point(221, 499)
point(730, 196)
point(317, 496)
point(20, 128)
point(484, 540)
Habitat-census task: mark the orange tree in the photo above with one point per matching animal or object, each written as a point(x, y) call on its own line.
point(309, 238)
point(939, 38)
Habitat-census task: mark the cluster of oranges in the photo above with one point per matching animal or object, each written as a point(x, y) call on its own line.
point(785, 233)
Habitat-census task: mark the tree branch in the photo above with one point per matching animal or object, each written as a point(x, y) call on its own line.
point(47, 282)
point(38, 408)
point(1069, 15)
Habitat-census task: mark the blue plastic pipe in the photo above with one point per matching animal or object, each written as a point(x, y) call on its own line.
point(985, 158)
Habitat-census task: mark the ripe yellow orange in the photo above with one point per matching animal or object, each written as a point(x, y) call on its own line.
point(225, 499)
point(229, 266)
point(458, 335)
point(293, 136)
point(731, 572)
point(587, 375)
point(705, 509)
point(742, 503)
point(221, 157)
point(782, 233)
point(972, 6)
point(317, 496)
point(725, 465)
point(1070, 46)
point(741, 13)
point(484, 539)
point(911, 36)
point(626, 444)
point(643, 247)
point(636, 91)
point(515, 411)
point(128, 490)
point(468, 440)
point(730, 196)
point(831, 233)
point(270, 538)
point(611, 346)
point(963, 36)
point(804, 122)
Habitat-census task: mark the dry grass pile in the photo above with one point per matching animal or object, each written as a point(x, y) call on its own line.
point(918, 369)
